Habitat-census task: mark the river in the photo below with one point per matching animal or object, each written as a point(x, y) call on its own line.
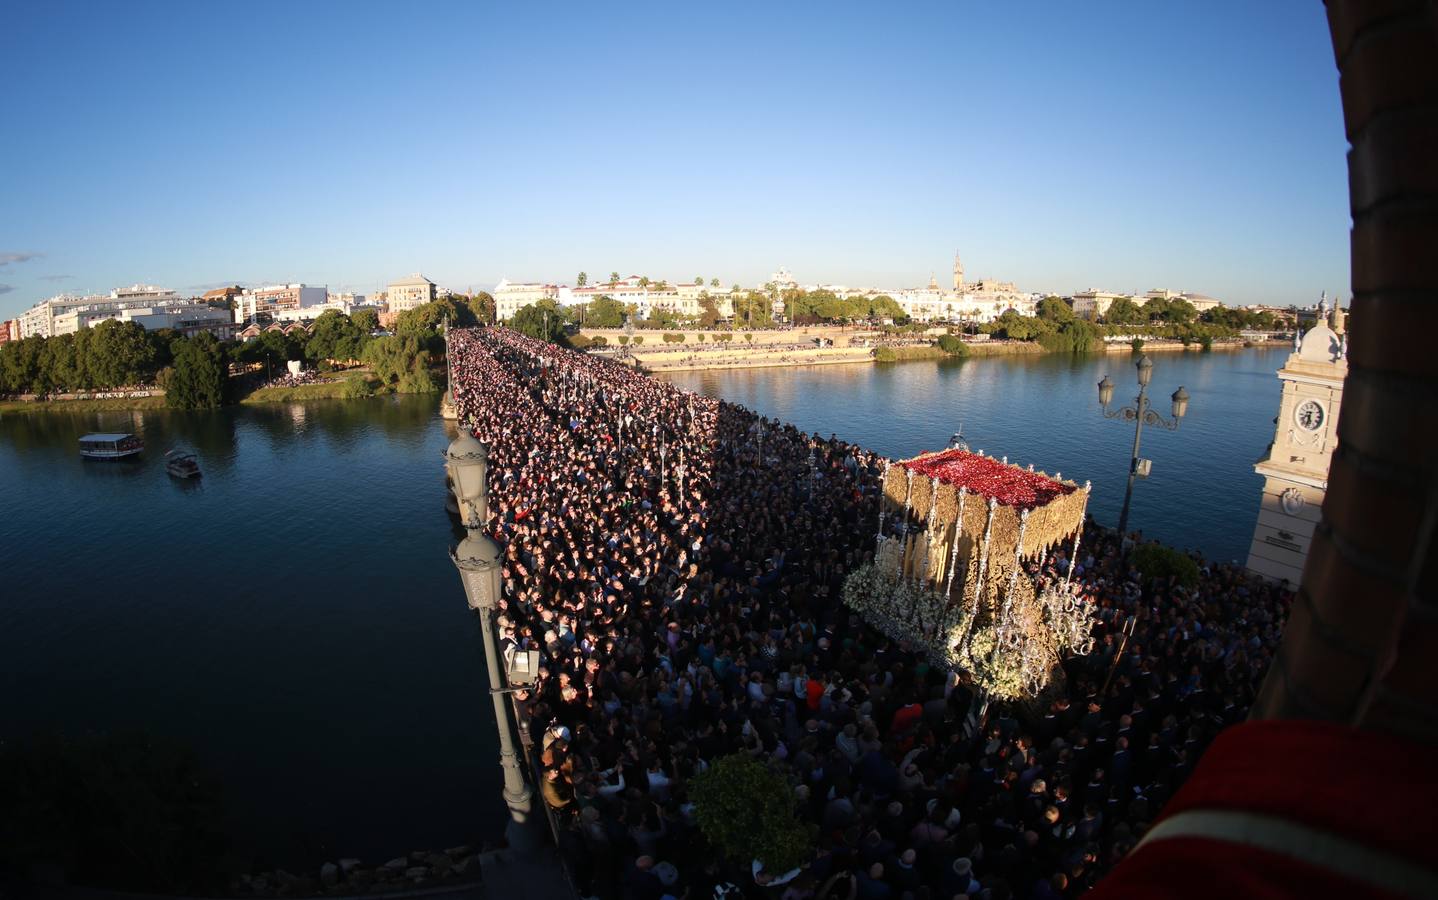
point(1202, 493)
point(296, 619)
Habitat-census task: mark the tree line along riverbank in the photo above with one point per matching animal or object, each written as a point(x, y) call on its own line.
point(121, 365)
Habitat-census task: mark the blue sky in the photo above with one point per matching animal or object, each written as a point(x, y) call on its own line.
point(1063, 146)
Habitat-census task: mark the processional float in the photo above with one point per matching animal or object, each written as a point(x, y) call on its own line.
point(960, 536)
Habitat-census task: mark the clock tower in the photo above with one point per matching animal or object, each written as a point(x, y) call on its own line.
point(1295, 469)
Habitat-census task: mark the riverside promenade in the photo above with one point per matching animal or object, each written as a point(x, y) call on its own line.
point(679, 562)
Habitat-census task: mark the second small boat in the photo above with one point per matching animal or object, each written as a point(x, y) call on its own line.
point(182, 465)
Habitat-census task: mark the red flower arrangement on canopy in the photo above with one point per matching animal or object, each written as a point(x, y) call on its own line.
point(989, 477)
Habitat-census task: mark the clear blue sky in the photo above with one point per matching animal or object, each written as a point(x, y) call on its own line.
point(1196, 146)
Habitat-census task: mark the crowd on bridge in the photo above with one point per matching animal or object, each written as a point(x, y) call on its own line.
point(679, 565)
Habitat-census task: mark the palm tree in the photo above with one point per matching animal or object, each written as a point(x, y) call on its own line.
point(583, 279)
point(613, 277)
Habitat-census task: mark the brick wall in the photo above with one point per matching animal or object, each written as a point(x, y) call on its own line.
point(1362, 642)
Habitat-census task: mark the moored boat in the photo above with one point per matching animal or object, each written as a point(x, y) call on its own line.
point(106, 445)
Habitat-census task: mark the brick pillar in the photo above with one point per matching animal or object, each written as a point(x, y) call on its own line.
point(1362, 643)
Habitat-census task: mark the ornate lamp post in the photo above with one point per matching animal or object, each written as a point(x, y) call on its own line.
point(1140, 414)
point(478, 559)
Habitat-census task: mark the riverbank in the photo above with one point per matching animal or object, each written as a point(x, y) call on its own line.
point(704, 358)
point(108, 404)
point(354, 385)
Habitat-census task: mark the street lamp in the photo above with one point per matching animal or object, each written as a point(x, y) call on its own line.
point(1141, 414)
point(468, 465)
point(478, 559)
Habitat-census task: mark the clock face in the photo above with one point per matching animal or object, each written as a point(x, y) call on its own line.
point(1309, 415)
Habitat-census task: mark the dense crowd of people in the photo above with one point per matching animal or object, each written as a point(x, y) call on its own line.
point(679, 564)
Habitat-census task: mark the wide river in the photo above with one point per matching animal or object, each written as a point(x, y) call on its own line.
point(296, 619)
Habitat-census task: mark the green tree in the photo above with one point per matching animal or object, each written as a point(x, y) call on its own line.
point(542, 319)
point(365, 320)
point(20, 364)
point(1154, 560)
point(952, 345)
point(118, 353)
point(334, 336)
point(708, 313)
point(61, 366)
point(753, 310)
point(482, 305)
point(886, 307)
point(698, 279)
point(747, 812)
point(1054, 309)
point(198, 377)
point(1124, 311)
point(644, 281)
point(613, 277)
point(1013, 327)
point(714, 283)
point(1181, 312)
point(604, 312)
point(392, 358)
point(281, 346)
point(582, 280)
point(423, 322)
point(1073, 336)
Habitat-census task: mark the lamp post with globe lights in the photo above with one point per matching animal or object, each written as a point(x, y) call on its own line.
point(1141, 413)
point(479, 561)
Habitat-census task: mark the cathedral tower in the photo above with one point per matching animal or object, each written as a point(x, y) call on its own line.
point(958, 273)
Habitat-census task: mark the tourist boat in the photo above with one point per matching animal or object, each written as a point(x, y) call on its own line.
point(182, 465)
point(110, 446)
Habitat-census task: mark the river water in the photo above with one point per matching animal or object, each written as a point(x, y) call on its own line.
point(296, 619)
point(1202, 493)
point(294, 616)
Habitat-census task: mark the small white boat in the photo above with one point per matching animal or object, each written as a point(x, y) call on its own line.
point(110, 446)
point(182, 465)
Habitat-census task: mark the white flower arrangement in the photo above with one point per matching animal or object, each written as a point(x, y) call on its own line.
point(905, 610)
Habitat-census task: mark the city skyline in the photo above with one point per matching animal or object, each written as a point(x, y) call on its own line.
point(848, 148)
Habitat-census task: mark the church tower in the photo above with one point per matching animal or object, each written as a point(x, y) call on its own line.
point(958, 273)
point(1295, 469)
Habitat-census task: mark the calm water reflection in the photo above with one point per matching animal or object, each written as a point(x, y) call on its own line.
point(294, 615)
point(1044, 410)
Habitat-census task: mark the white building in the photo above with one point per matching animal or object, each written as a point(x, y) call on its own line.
point(512, 296)
point(1093, 304)
point(273, 298)
point(146, 292)
point(411, 292)
point(39, 320)
point(347, 302)
point(66, 314)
